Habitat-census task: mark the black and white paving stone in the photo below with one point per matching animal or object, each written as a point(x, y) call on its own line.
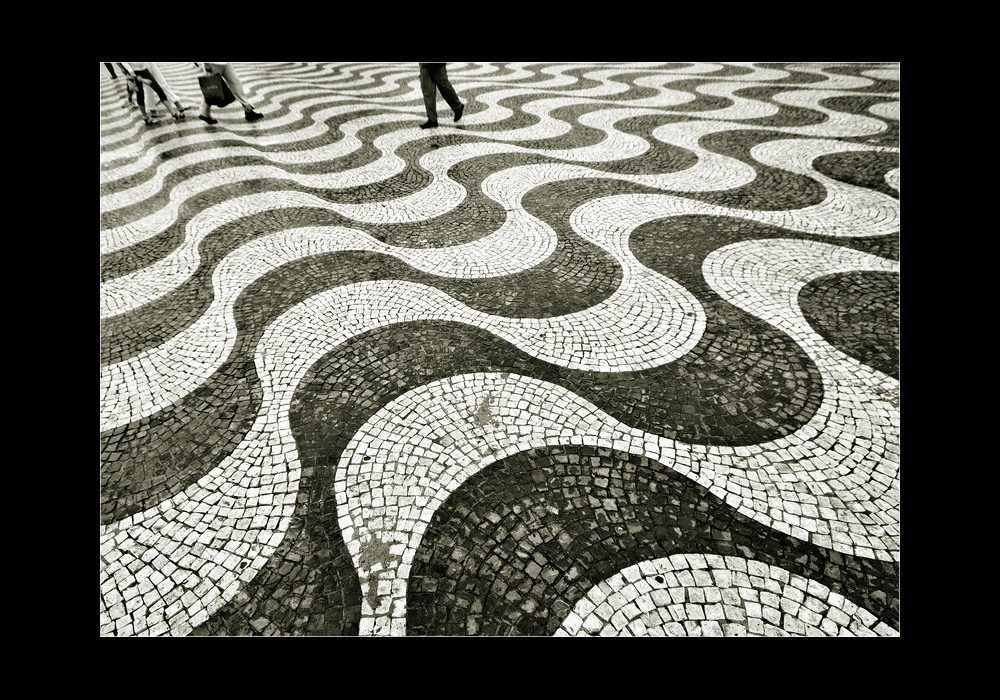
point(615, 354)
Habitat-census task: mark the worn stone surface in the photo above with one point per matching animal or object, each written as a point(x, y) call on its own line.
point(615, 354)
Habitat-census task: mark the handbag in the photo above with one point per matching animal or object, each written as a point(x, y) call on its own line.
point(215, 90)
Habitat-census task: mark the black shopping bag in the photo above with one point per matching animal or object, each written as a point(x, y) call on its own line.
point(215, 90)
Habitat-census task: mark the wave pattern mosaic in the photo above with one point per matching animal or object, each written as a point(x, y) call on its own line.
point(616, 354)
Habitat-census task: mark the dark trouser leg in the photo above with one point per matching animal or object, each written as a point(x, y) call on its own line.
point(111, 69)
point(429, 88)
point(155, 85)
point(447, 91)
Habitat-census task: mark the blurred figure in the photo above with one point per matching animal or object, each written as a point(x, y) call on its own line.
point(148, 74)
point(232, 80)
point(111, 69)
point(434, 77)
point(171, 96)
point(131, 84)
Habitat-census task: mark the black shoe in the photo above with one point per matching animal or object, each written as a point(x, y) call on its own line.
point(458, 112)
point(208, 120)
point(429, 125)
point(253, 116)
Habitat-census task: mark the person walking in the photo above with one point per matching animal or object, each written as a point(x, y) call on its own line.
point(172, 98)
point(131, 83)
point(232, 80)
point(434, 77)
point(148, 74)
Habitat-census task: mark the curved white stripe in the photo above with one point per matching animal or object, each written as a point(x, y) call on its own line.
point(883, 73)
point(434, 438)
point(832, 81)
point(220, 531)
point(887, 110)
point(839, 125)
point(694, 595)
point(892, 179)
point(846, 203)
point(155, 382)
point(130, 291)
point(289, 347)
point(671, 324)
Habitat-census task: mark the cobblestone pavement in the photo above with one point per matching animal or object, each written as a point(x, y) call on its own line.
point(615, 354)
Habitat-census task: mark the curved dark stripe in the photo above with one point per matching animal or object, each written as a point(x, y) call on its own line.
point(576, 276)
point(859, 104)
point(731, 71)
point(517, 545)
point(580, 81)
point(858, 70)
point(229, 139)
point(659, 158)
point(150, 460)
point(579, 135)
point(795, 77)
point(518, 119)
point(857, 313)
point(129, 333)
point(151, 250)
point(309, 585)
point(139, 468)
point(123, 160)
point(278, 104)
point(503, 70)
point(163, 132)
point(704, 416)
point(791, 190)
point(787, 115)
point(743, 383)
point(773, 189)
point(618, 74)
point(702, 103)
point(883, 246)
point(338, 395)
point(863, 169)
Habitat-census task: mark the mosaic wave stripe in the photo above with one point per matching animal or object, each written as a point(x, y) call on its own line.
point(694, 595)
point(537, 542)
point(166, 379)
point(635, 162)
point(854, 128)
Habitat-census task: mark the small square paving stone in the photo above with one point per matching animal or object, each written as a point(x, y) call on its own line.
point(625, 365)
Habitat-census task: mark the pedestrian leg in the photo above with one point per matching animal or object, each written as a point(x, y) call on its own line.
point(447, 91)
point(429, 88)
point(140, 96)
point(206, 114)
point(233, 81)
point(173, 104)
point(111, 69)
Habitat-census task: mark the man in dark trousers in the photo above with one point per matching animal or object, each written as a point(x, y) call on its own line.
point(434, 77)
